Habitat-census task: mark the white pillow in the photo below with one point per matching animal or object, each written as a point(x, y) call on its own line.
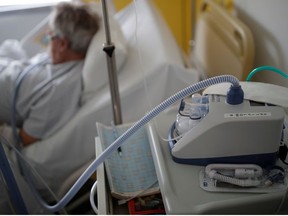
point(95, 72)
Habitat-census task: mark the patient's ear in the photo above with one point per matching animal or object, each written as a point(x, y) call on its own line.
point(60, 50)
point(64, 44)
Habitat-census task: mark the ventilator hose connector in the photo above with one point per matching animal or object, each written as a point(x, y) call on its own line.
point(235, 95)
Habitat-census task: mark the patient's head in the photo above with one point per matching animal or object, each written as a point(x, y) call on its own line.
point(72, 27)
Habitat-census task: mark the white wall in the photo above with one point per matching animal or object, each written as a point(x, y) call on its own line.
point(268, 20)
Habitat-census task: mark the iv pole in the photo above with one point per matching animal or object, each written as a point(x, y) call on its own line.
point(111, 66)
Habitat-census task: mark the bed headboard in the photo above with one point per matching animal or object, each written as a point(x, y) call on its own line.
point(223, 44)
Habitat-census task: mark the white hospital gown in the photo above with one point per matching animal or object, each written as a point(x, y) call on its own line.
point(41, 108)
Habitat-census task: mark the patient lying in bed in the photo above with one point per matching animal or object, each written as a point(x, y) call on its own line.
point(49, 95)
point(146, 76)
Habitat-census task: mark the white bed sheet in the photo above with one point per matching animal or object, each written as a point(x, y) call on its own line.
point(153, 54)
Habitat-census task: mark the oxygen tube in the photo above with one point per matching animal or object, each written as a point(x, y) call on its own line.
point(234, 96)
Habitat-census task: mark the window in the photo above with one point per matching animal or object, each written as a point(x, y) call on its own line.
point(27, 2)
point(12, 5)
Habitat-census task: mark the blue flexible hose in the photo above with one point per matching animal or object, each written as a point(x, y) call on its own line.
point(117, 143)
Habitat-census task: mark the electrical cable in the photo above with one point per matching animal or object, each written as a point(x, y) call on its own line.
point(92, 194)
point(270, 68)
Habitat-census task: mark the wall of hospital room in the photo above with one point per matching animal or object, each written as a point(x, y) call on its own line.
point(180, 16)
point(266, 19)
point(268, 22)
point(177, 14)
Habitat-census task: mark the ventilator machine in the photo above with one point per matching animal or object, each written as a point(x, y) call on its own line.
point(238, 142)
point(214, 131)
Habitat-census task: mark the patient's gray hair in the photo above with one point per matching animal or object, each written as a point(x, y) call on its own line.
point(76, 22)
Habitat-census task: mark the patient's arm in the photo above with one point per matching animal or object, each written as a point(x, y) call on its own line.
point(26, 138)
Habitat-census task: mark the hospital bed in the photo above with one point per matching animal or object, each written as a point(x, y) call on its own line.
point(150, 68)
point(223, 45)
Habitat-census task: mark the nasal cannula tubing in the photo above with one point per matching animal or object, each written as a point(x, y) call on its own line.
point(18, 82)
point(117, 143)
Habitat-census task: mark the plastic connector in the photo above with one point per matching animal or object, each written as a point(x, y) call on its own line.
point(235, 95)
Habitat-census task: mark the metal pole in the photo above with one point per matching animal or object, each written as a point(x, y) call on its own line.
point(111, 66)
